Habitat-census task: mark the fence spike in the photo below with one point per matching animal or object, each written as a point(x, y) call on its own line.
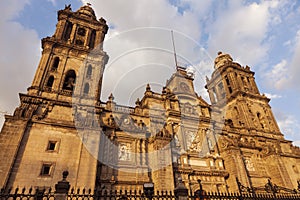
point(23, 190)
point(83, 191)
point(89, 191)
point(30, 190)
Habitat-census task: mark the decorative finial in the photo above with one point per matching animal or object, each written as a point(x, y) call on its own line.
point(65, 174)
point(137, 102)
point(220, 52)
point(111, 97)
point(207, 79)
point(68, 7)
point(88, 4)
point(148, 88)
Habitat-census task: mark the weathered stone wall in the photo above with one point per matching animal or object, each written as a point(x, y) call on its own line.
point(10, 139)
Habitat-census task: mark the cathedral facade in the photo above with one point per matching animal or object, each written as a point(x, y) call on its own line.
point(61, 124)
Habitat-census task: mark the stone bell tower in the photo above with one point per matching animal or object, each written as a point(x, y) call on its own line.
point(250, 139)
point(75, 45)
point(234, 86)
point(40, 140)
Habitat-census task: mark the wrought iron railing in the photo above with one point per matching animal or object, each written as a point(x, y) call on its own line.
point(63, 192)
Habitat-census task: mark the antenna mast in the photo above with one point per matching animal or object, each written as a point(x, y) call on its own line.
point(175, 56)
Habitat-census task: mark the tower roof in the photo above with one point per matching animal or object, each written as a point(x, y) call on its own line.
point(86, 11)
point(221, 59)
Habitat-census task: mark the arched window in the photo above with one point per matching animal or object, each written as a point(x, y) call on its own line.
point(55, 63)
point(23, 113)
point(228, 84)
point(89, 71)
point(86, 88)
point(50, 82)
point(92, 39)
point(70, 80)
point(68, 30)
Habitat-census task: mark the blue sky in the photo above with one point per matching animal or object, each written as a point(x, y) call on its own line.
point(262, 34)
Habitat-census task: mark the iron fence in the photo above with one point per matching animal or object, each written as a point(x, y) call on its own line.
point(133, 195)
point(62, 191)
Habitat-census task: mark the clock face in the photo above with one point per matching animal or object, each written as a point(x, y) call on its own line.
point(184, 86)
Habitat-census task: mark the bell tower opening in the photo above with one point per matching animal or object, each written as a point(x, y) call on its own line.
point(50, 82)
point(55, 64)
point(70, 80)
point(92, 39)
point(68, 30)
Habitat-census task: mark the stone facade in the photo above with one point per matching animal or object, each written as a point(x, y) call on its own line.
point(61, 124)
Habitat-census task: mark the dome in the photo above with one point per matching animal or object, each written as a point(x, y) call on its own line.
point(87, 11)
point(221, 59)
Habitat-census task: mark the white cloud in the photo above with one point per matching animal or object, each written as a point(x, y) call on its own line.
point(284, 74)
point(296, 143)
point(11, 9)
point(19, 55)
point(273, 96)
point(140, 47)
point(241, 29)
point(289, 125)
point(278, 76)
point(294, 70)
